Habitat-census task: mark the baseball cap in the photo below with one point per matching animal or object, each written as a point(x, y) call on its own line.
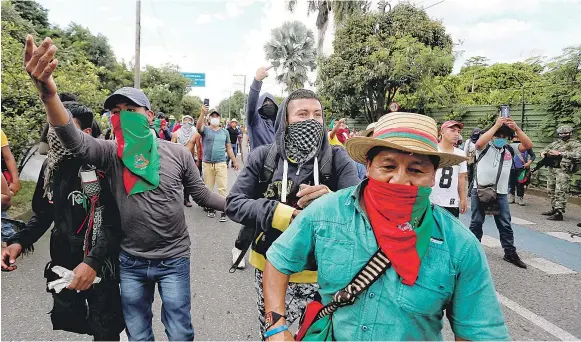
point(171, 117)
point(234, 120)
point(124, 94)
point(451, 123)
point(214, 112)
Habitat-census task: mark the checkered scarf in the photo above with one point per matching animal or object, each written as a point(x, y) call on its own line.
point(303, 140)
point(56, 153)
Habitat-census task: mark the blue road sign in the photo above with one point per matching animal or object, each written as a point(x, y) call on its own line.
point(196, 79)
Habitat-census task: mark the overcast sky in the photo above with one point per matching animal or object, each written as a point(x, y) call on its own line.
point(223, 38)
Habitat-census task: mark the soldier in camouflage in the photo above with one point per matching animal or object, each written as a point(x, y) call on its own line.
point(559, 177)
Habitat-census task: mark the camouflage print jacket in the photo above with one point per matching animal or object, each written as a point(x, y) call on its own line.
point(570, 151)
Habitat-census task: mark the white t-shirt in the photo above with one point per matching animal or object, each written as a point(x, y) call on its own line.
point(445, 192)
point(487, 168)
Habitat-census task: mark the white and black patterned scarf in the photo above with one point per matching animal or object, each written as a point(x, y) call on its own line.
point(56, 153)
point(185, 133)
point(303, 140)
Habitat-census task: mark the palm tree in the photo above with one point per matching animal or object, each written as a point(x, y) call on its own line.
point(291, 49)
point(341, 10)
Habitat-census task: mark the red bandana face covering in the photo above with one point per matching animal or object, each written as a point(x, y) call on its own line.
point(402, 221)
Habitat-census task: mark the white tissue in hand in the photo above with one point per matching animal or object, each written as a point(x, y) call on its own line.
point(66, 279)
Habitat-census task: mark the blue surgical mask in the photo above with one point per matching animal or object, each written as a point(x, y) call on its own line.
point(499, 142)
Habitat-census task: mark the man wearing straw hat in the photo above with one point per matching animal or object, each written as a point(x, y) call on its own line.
point(431, 261)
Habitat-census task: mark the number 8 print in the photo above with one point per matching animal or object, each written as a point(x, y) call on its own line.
point(446, 179)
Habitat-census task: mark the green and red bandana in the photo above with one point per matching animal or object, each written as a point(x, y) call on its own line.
point(137, 148)
point(402, 221)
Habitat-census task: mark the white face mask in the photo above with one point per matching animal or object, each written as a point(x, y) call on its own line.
point(214, 121)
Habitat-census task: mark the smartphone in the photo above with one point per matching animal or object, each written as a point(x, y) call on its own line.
point(505, 111)
point(207, 102)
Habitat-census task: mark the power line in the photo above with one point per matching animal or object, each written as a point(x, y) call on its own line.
point(437, 3)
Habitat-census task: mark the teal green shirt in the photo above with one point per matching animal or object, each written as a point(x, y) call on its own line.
point(454, 277)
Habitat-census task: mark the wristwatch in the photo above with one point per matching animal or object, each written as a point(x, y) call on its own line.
point(271, 318)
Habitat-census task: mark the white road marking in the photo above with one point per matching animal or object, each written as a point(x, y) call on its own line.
point(566, 236)
point(491, 242)
point(536, 320)
point(123, 336)
point(548, 266)
point(517, 220)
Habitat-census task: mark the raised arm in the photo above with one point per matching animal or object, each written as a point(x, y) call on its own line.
point(254, 94)
point(487, 136)
point(336, 128)
point(202, 119)
point(40, 65)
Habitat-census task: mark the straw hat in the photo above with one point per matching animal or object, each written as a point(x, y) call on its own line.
point(409, 132)
point(367, 132)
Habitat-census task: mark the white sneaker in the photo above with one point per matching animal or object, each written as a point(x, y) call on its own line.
point(520, 201)
point(235, 254)
point(510, 198)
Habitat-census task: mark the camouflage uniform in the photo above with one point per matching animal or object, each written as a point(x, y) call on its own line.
point(297, 298)
point(559, 179)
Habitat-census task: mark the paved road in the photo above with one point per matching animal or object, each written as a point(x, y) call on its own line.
point(540, 303)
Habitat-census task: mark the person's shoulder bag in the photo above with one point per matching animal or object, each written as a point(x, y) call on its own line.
point(316, 321)
point(487, 193)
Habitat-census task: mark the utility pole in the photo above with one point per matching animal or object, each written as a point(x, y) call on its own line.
point(137, 79)
point(243, 91)
point(229, 103)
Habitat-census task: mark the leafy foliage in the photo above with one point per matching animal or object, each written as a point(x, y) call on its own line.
point(340, 9)
point(291, 50)
point(87, 68)
point(378, 55)
point(564, 96)
point(191, 105)
point(233, 107)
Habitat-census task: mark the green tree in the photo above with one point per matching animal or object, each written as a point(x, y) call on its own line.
point(341, 10)
point(233, 107)
point(22, 112)
point(291, 49)
point(563, 100)
point(165, 87)
point(378, 55)
point(31, 11)
point(192, 106)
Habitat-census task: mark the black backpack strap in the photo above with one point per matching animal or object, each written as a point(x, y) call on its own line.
point(269, 165)
point(500, 165)
point(326, 166)
point(477, 161)
point(511, 150)
point(483, 153)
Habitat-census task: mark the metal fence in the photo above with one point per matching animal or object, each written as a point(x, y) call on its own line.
point(533, 117)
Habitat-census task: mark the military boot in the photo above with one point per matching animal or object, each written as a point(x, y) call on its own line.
point(557, 216)
point(549, 213)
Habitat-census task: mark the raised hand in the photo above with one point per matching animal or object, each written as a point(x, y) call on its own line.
point(39, 63)
point(262, 73)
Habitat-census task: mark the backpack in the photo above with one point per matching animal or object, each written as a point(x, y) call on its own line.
point(270, 163)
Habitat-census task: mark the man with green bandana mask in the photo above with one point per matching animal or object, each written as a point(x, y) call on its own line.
point(432, 265)
point(143, 173)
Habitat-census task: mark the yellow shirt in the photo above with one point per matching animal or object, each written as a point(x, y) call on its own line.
point(3, 139)
point(334, 141)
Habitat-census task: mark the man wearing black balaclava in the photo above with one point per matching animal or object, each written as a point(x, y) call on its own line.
point(261, 112)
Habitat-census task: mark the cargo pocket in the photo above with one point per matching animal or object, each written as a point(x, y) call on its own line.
point(334, 260)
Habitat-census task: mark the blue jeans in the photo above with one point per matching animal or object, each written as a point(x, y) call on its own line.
point(7, 229)
point(138, 279)
point(502, 221)
point(235, 150)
